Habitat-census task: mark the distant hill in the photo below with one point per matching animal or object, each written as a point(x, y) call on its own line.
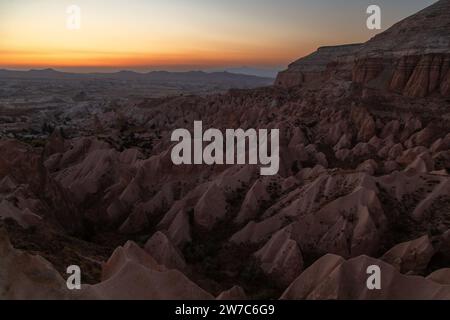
point(197, 77)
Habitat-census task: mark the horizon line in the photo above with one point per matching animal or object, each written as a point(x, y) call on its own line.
point(218, 70)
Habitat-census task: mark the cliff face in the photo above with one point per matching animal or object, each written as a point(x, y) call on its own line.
point(290, 78)
point(415, 54)
point(315, 65)
point(367, 69)
point(411, 58)
point(429, 74)
point(415, 76)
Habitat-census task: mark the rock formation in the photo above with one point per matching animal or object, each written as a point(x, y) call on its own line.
point(363, 180)
point(416, 66)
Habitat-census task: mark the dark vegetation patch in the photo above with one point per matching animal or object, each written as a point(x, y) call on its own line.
point(217, 265)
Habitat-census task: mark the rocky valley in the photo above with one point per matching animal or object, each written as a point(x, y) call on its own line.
point(86, 179)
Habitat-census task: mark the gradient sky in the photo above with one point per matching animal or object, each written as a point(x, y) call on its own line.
point(183, 34)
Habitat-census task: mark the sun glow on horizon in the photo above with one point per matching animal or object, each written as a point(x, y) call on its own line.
point(137, 33)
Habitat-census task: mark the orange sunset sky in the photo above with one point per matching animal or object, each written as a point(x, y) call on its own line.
point(181, 34)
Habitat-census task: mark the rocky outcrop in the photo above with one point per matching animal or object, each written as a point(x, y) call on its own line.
point(281, 258)
point(419, 76)
point(313, 66)
point(367, 69)
point(412, 76)
point(132, 274)
point(441, 276)
point(160, 248)
point(410, 257)
point(332, 277)
point(27, 277)
point(211, 207)
point(235, 293)
point(416, 66)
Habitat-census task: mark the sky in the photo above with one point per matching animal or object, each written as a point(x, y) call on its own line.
point(183, 34)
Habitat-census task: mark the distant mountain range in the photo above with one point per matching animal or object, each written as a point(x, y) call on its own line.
point(153, 76)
